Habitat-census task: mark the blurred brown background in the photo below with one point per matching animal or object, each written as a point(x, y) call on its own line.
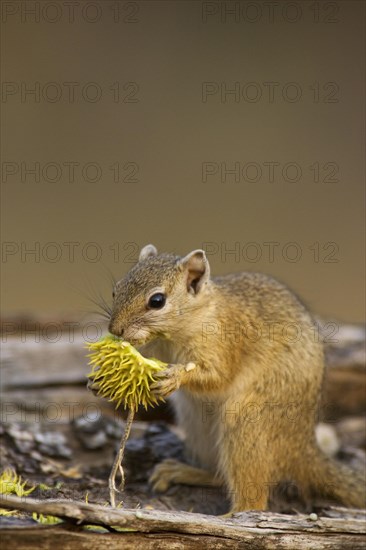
point(135, 92)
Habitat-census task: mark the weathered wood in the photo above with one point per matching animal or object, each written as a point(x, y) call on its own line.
point(27, 362)
point(60, 537)
point(46, 378)
point(345, 529)
point(344, 391)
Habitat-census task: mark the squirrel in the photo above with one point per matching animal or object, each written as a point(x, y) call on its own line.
point(245, 367)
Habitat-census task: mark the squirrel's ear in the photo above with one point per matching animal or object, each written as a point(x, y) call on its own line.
point(197, 268)
point(148, 251)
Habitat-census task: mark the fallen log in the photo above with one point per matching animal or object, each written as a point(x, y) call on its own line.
point(336, 528)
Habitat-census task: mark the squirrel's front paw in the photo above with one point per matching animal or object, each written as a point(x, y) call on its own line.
point(167, 381)
point(92, 386)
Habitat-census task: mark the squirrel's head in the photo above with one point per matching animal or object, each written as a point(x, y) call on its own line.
point(158, 295)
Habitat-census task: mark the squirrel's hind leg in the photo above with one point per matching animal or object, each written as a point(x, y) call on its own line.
point(247, 471)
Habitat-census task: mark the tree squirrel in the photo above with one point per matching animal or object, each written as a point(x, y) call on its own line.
point(245, 357)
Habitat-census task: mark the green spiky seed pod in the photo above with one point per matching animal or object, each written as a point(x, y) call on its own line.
point(122, 374)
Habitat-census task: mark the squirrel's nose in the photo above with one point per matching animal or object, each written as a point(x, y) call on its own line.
point(116, 330)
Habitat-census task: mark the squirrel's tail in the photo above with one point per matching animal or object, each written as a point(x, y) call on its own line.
point(335, 480)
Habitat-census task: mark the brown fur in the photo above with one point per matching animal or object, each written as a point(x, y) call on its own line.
point(249, 406)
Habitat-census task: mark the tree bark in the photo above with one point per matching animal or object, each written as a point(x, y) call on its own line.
point(340, 528)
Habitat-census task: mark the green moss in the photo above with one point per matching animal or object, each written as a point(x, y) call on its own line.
point(12, 484)
point(47, 520)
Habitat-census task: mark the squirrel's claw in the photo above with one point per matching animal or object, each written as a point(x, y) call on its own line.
point(167, 381)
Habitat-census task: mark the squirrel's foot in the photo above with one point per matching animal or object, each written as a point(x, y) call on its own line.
point(164, 475)
point(172, 471)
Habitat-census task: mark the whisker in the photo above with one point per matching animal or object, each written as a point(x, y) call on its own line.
point(100, 314)
point(101, 306)
point(111, 277)
point(104, 305)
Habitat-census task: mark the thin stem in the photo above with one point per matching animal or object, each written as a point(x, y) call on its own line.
point(117, 465)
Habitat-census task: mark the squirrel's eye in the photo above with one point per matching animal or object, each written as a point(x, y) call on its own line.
point(113, 294)
point(157, 301)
